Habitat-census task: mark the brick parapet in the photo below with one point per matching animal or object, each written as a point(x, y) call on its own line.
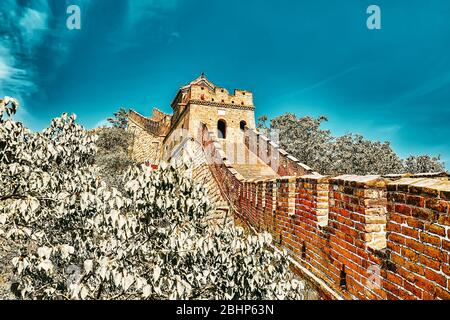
point(418, 238)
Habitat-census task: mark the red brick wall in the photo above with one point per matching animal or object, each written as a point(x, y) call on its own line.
point(418, 240)
point(367, 237)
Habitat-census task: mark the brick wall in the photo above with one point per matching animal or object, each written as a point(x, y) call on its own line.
point(367, 237)
point(146, 146)
point(418, 239)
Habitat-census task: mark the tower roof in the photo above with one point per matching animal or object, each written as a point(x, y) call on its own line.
point(201, 80)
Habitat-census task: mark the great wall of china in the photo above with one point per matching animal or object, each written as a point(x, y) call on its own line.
point(361, 237)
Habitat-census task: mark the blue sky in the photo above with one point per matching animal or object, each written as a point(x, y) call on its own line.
point(306, 57)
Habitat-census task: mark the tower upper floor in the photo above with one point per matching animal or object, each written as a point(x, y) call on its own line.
point(201, 91)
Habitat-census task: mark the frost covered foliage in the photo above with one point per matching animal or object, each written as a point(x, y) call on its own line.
point(80, 239)
point(347, 154)
point(113, 157)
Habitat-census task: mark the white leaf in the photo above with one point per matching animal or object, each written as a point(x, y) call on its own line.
point(88, 264)
point(46, 265)
point(34, 205)
point(180, 288)
point(127, 282)
point(83, 293)
point(156, 273)
point(66, 250)
point(44, 252)
point(146, 291)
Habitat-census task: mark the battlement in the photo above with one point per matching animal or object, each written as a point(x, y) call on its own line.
point(220, 96)
point(158, 124)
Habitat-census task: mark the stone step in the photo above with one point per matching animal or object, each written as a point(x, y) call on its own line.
point(247, 163)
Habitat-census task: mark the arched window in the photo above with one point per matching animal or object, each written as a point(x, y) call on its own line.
point(242, 125)
point(222, 129)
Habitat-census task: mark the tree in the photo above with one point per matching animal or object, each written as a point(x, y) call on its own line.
point(262, 122)
point(352, 154)
point(347, 154)
point(304, 138)
point(113, 156)
point(81, 239)
point(423, 164)
point(120, 119)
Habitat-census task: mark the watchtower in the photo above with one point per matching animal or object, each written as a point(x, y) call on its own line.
point(201, 101)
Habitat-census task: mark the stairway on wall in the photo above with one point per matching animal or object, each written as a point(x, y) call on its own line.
point(247, 163)
point(192, 152)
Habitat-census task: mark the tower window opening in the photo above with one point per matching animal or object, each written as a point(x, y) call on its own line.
point(221, 129)
point(242, 125)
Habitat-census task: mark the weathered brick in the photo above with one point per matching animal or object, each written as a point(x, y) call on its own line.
point(411, 255)
point(446, 269)
point(415, 245)
point(417, 201)
point(415, 223)
point(392, 226)
point(426, 286)
point(403, 209)
point(431, 263)
point(427, 238)
point(444, 219)
point(443, 294)
point(436, 277)
point(445, 244)
point(437, 205)
point(436, 229)
point(416, 291)
point(397, 238)
point(397, 218)
point(425, 214)
point(394, 278)
point(410, 232)
point(433, 252)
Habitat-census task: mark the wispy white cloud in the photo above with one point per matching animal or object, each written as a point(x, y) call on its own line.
point(325, 81)
point(145, 9)
point(5, 70)
point(142, 12)
point(427, 87)
point(25, 28)
point(174, 36)
point(29, 29)
point(391, 129)
point(32, 24)
point(102, 123)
